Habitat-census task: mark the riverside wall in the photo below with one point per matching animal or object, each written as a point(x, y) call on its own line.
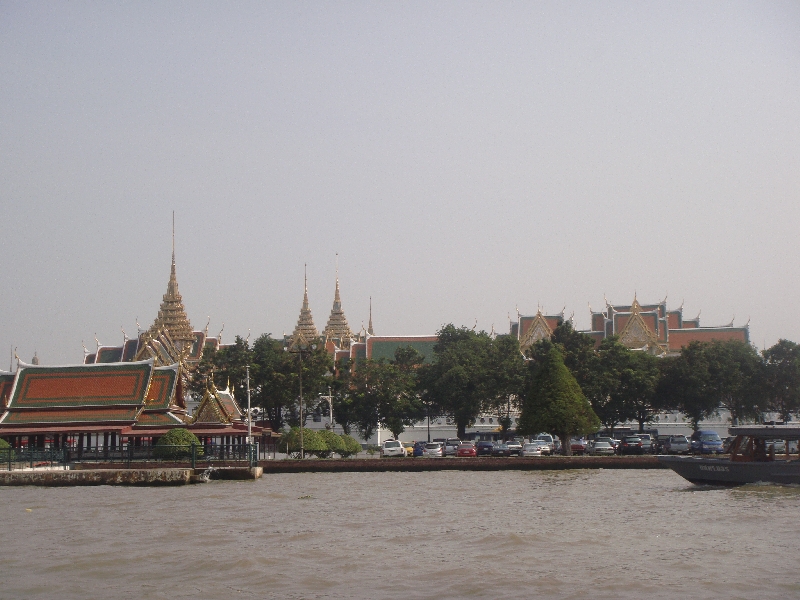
point(83, 475)
point(551, 463)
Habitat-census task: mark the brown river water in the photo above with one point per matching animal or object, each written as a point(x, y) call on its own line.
point(447, 534)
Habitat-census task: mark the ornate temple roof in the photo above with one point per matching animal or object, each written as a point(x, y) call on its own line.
point(337, 328)
point(172, 315)
point(370, 330)
point(305, 332)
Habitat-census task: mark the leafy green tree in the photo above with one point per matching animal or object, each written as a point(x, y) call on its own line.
point(505, 384)
point(555, 403)
point(609, 396)
point(177, 444)
point(457, 381)
point(638, 383)
point(684, 384)
point(781, 378)
point(733, 375)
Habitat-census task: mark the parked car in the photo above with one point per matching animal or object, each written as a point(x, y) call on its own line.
point(409, 446)
point(676, 444)
point(500, 449)
point(532, 449)
point(578, 446)
point(434, 450)
point(419, 449)
point(392, 448)
point(705, 442)
point(647, 442)
point(514, 447)
point(544, 446)
point(451, 446)
point(631, 445)
point(660, 443)
point(484, 448)
point(547, 439)
point(610, 440)
point(599, 447)
point(466, 449)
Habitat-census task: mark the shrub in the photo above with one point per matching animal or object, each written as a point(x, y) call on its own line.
point(334, 442)
point(313, 443)
point(177, 444)
point(5, 449)
point(351, 446)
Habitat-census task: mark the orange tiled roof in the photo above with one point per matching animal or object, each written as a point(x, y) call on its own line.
point(71, 415)
point(162, 387)
point(111, 384)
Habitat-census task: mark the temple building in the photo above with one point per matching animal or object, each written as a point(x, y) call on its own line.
point(650, 328)
point(128, 395)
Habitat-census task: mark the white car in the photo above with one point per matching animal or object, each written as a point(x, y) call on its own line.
point(531, 450)
point(392, 448)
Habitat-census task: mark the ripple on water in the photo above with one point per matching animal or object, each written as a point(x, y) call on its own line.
point(450, 534)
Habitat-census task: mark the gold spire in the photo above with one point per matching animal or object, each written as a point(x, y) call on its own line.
point(369, 327)
point(305, 332)
point(172, 315)
point(337, 329)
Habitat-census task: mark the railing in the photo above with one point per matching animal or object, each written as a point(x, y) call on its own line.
point(17, 459)
point(219, 455)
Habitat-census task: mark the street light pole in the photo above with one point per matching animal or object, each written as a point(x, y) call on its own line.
point(249, 413)
point(299, 351)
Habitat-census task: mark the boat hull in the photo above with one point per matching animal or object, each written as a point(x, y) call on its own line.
point(720, 471)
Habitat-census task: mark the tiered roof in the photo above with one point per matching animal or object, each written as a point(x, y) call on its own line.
point(337, 328)
point(110, 394)
point(172, 315)
point(305, 332)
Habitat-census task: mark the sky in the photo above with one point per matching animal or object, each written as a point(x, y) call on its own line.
point(464, 160)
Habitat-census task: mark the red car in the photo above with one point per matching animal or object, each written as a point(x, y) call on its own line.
point(466, 449)
point(578, 447)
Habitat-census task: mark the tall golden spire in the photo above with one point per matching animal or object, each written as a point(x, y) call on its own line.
point(305, 332)
point(337, 328)
point(172, 315)
point(369, 327)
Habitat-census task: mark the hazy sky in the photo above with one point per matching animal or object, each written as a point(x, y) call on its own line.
point(463, 159)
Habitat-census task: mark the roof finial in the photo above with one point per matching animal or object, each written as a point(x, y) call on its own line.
point(173, 237)
point(207, 324)
point(96, 341)
point(124, 335)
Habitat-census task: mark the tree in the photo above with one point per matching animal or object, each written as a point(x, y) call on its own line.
point(555, 403)
point(383, 393)
point(733, 374)
point(505, 379)
point(456, 381)
point(781, 378)
point(609, 397)
point(684, 384)
point(638, 382)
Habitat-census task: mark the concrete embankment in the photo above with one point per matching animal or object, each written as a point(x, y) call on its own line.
point(82, 475)
point(553, 463)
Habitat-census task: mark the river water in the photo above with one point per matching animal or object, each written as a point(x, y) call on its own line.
point(446, 534)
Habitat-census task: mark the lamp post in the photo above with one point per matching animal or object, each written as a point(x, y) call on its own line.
point(299, 349)
point(249, 413)
point(329, 398)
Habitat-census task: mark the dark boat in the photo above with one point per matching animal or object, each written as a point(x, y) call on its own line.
point(751, 459)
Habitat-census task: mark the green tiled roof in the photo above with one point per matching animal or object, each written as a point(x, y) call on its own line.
point(385, 349)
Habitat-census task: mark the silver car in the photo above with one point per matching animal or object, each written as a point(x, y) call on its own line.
point(677, 444)
point(531, 450)
point(433, 450)
point(600, 448)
